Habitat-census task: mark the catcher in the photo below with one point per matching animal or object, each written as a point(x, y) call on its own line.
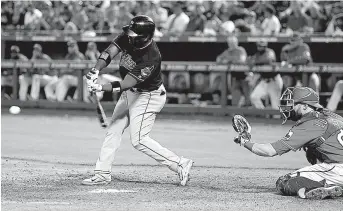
point(318, 131)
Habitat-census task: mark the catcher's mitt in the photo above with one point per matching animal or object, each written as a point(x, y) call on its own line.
point(243, 128)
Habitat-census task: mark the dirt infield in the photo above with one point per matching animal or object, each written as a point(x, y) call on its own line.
point(45, 158)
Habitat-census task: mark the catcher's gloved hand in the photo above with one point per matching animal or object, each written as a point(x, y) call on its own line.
point(243, 128)
point(240, 140)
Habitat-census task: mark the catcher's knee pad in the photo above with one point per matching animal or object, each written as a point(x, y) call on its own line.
point(289, 185)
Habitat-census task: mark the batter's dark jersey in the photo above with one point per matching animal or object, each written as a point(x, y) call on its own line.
point(142, 64)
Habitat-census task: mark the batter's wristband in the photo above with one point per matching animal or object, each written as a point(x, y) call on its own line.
point(249, 145)
point(116, 86)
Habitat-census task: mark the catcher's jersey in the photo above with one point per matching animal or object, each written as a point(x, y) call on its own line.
point(142, 64)
point(322, 132)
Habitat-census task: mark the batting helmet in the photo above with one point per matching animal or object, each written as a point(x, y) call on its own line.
point(298, 95)
point(140, 31)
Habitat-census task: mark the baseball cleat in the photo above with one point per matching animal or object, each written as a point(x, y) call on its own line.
point(321, 193)
point(185, 166)
point(98, 179)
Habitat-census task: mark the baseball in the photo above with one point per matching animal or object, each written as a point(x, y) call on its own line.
point(15, 110)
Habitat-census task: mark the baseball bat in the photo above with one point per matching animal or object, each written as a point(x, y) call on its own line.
point(100, 111)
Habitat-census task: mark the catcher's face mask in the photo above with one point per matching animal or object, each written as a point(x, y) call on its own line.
point(287, 105)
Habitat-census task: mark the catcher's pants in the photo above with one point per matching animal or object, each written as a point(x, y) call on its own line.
point(137, 109)
point(271, 88)
point(39, 81)
point(24, 82)
point(332, 173)
point(336, 96)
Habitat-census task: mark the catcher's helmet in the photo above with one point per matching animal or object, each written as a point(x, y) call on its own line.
point(297, 95)
point(140, 31)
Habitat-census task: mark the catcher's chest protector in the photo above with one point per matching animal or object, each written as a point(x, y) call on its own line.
point(329, 146)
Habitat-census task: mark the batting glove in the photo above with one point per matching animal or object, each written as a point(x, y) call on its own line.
point(95, 87)
point(92, 75)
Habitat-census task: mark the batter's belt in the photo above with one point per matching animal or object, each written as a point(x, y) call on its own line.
point(145, 90)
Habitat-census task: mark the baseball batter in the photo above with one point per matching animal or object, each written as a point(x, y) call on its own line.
point(317, 130)
point(143, 96)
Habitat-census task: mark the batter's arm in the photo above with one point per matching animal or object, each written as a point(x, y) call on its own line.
point(265, 150)
point(106, 56)
point(118, 86)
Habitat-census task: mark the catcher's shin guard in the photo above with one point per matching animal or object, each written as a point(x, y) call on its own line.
point(289, 186)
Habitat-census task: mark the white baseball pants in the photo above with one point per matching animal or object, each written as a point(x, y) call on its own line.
point(331, 172)
point(137, 110)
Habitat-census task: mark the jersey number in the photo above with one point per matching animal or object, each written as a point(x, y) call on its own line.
point(340, 137)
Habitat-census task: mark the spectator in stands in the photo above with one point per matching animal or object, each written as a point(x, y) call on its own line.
point(79, 19)
point(270, 84)
point(6, 15)
point(211, 27)
point(271, 24)
point(319, 20)
point(159, 13)
point(336, 96)
point(19, 14)
point(335, 27)
point(7, 75)
point(297, 20)
point(226, 27)
point(197, 20)
point(144, 8)
point(32, 17)
point(42, 76)
point(96, 19)
point(298, 53)
point(248, 24)
point(68, 78)
point(212, 12)
point(176, 23)
point(124, 16)
point(47, 22)
point(236, 54)
point(111, 17)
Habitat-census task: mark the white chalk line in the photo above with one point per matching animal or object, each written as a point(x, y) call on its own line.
point(37, 202)
point(112, 191)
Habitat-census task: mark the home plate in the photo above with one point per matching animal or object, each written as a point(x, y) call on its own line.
point(112, 191)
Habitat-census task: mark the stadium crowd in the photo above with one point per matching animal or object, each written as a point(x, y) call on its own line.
point(208, 18)
point(200, 18)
